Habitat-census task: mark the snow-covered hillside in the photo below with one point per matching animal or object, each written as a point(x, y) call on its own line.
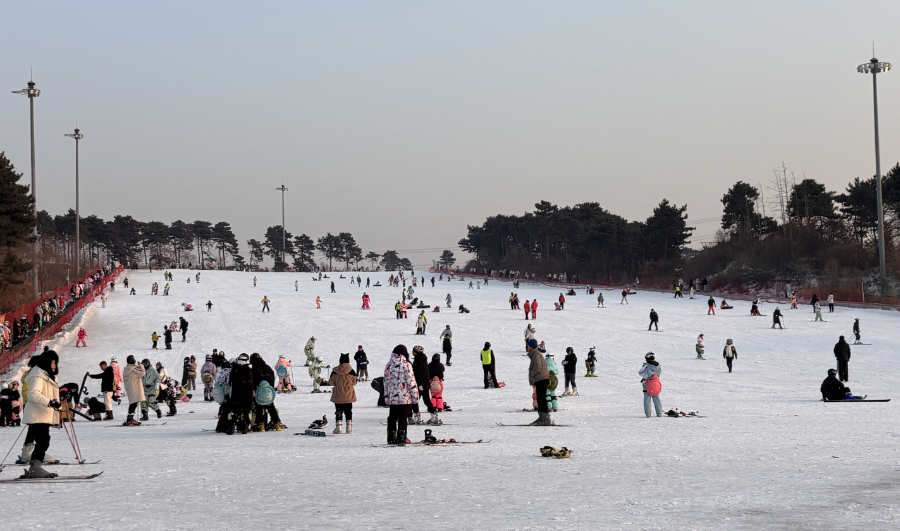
point(767, 454)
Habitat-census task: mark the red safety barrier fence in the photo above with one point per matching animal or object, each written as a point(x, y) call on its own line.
point(9, 356)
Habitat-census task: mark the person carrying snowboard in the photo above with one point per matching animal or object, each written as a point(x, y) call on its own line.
point(570, 364)
point(651, 371)
point(776, 318)
point(729, 353)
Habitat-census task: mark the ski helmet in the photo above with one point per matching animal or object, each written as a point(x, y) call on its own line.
point(320, 358)
point(550, 355)
point(243, 359)
point(649, 356)
point(114, 360)
point(832, 372)
point(209, 357)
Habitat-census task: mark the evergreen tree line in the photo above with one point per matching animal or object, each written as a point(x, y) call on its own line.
point(584, 239)
point(802, 231)
point(340, 249)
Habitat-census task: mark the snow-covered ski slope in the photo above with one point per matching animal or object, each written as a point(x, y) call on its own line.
point(767, 455)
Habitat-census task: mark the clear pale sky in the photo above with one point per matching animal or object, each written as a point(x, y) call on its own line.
point(402, 122)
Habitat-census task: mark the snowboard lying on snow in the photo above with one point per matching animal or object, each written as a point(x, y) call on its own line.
point(866, 400)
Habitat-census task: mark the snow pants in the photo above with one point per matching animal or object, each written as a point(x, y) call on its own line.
point(40, 434)
point(208, 390)
point(266, 307)
point(489, 370)
point(397, 417)
point(843, 370)
point(570, 380)
point(712, 310)
point(262, 411)
point(656, 404)
point(652, 324)
point(343, 410)
point(729, 361)
point(540, 389)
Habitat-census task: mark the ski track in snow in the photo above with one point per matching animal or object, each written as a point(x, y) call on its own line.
point(767, 455)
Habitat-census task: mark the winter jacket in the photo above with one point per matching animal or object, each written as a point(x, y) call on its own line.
point(262, 373)
point(487, 358)
point(362, 361)
point(107, 379)
point(41, 390)
point(242, 387)
point(134, 386)
point(833, 389)
point(436, 368)
point(551, 366)
point(830, 299)
point(527, 306)
point(537, 371)
point(310, 349)
point(570, 363)
point(729, 352)
point(842, 350)
point(208, 367)
point(192, 368)
point(654, 317)
point(647, 371)
point(343, 382)
point(420, 321)
point(399, 382)
point(420, 371)
point(168, 334)
point(282, 362)
point(447, 333)
point(151, 382)
point(117, 370)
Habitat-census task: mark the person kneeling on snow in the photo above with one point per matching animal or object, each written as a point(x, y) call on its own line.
point(833, 389)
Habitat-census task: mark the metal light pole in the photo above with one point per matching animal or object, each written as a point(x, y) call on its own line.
point(875, 67)
point(283, 189)
point(77, 136)
point(32, 93)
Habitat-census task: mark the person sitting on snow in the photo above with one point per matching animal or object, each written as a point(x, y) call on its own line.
point(834, 390)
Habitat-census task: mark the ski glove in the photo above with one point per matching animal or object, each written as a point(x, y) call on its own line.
point(54, 404)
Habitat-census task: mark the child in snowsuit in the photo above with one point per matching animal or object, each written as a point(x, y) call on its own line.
point(591, 362)
point(600, 301)
point(310, 351)
point(81, 335)
point(729, 353)
point(362, 364)
point(315, 372)
point(436, 373)
point(284, 382)
point(700, 348)
point(155, 338)
point(776, 318)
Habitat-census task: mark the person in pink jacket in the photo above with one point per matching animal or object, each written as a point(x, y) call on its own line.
point(119, 380)
point(284, 383)
point(81, 335)
point(400, 393)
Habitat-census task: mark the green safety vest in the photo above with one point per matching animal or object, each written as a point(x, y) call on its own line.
point(486, 357)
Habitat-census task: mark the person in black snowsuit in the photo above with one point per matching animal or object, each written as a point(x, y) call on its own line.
point(107, 379)
point(241, 393)
point(856, 331)
point(167, 333)
point(183, 324)
point(832, 388)
point(423, 382)
point(570, 363)
point(263, 373)
point(332, 287)
point(842, 354)
point(776, 318)
point(654, 319)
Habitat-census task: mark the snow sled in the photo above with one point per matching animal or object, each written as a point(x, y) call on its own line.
point(377, 284)
point(726, 307)
point(424, 306)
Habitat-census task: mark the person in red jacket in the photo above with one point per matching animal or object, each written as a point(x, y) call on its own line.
point(562, 302)
point(534, 309)
point(527, 309)
point(81, 335)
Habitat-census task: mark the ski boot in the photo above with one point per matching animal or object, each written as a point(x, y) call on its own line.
point(429, 438)
point(130, 421)
point(144, 416)
point(109, 416)
point(548, 451)
point(391, 436)
point(158, 413)
point(562, 453)
point(574, 391)
point(567, 393)
point(434, 420)
point(319, 424)
point(419, 419)
point(401, 438)
point(37, 471)
point(172, 411)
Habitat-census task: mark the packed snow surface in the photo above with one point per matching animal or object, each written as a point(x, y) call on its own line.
point(767, 454)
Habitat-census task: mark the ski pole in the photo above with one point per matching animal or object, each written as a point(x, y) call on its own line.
point(13, 444)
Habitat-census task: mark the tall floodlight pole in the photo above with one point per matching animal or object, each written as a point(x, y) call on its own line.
point(875, 67)
point(77, 136)
point(32, 93)
point(283, 189)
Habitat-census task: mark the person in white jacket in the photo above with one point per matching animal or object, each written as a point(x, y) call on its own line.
point(42, 410)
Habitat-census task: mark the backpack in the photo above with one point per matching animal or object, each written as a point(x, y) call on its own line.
point(207, 377)
point(282, 372)
point(654, 386)
point(265, 394)
point(437, 387)
point(554, 382)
